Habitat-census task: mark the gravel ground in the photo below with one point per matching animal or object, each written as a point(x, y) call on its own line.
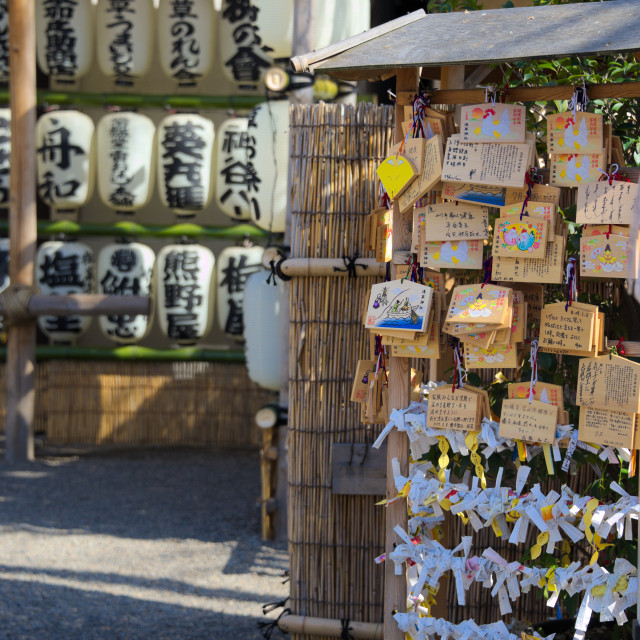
point(161, 544)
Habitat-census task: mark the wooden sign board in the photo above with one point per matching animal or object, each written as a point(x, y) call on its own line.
point(516, 238)
point(455, 254)
point(542, 391)
point(545, 210)
point(570, 331)
point(358, 469)
point(528, 421)
point(498, 196)
point(458, 409)
point(572, 170)
point(495, 357)
point(607, 382)
point(365, 372)
point(533, 296)
point(605, 257)
point(601, 203)
point(489, 164)
point(429, 176)
point(574, 133)
point(492, 123)
point(450, 221)
point(477, 304)
point(607, 428)
point(547, 270)
point(412, 148)
point(399, 305)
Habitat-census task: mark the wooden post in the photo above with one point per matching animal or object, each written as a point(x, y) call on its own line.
point(395, 587)
point(21, 340)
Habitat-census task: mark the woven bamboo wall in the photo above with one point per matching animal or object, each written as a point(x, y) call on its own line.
point(333, 539)
point(146, 403)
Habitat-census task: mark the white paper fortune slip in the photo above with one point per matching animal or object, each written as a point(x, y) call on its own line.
point(602, 203)
point(488, 163)
point(493, 123)
point(400, 305)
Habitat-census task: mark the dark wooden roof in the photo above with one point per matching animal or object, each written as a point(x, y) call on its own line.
point(486, 36)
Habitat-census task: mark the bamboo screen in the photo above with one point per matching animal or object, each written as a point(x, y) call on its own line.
point(146, 403)
point(333, 539)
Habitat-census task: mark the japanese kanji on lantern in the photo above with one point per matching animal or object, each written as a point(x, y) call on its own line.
point(185, 162)
point(64, 38)
point(184, 291)
point(234, 168)
point(125, 38)
point(4, 40)
point(268, 152)
point(5, 156)
point(186, 35)
point(125, 269)
point(64, 268)
point(263, 304)
point(253, 33)
point(234, 266)
point(126, 160)
point(65, 157)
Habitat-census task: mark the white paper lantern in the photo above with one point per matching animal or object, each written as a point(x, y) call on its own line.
point(350, 19)
point(186, 37)
point(126, 160)
point(65, 153)
point(234, 265)
point(5, 156)
point(125, 269)
point(253, 33)
point(125, 35)
point(268, 162)
point(185, 162)
point(233, 168)
point(4, 40)
point(64, 268)
point(263, 305)
point(64, 38)
point(184, 291)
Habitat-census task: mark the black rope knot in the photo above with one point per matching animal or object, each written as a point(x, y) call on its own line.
point(345, 629)
point(350, 265)
point(267, 628)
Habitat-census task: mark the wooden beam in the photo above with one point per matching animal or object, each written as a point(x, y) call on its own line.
point(395, 587)
point(85, 305)
point(307, 625)
point(534, 94)
point(21, 339)
point(307, 267)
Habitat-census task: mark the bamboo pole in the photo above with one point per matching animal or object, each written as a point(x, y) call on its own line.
point(332, 628)
point(395, 587)
point(130, 228)
point(135, 353)
point(22, 216)
point(84, 304)
point(309, 267)
point(142, 101)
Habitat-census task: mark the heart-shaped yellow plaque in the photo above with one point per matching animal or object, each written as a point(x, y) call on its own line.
point(396, 173)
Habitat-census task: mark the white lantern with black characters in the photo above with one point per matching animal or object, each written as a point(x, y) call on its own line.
point(125, 269)
point(234, 265)
point(186, 36)
point(5, 156)
point(126, 160)
point(234, 168)
point(263, 305)
point(65, 156)
point(268, 157)
point(252, 33)
point(4, 40)
point(64, 268)
point(125, 38)
point(64, 38)
point(184, 291)
point(185, 162)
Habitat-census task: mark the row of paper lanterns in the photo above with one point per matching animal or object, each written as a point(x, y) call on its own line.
point(245, 165)
point(249, 34)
